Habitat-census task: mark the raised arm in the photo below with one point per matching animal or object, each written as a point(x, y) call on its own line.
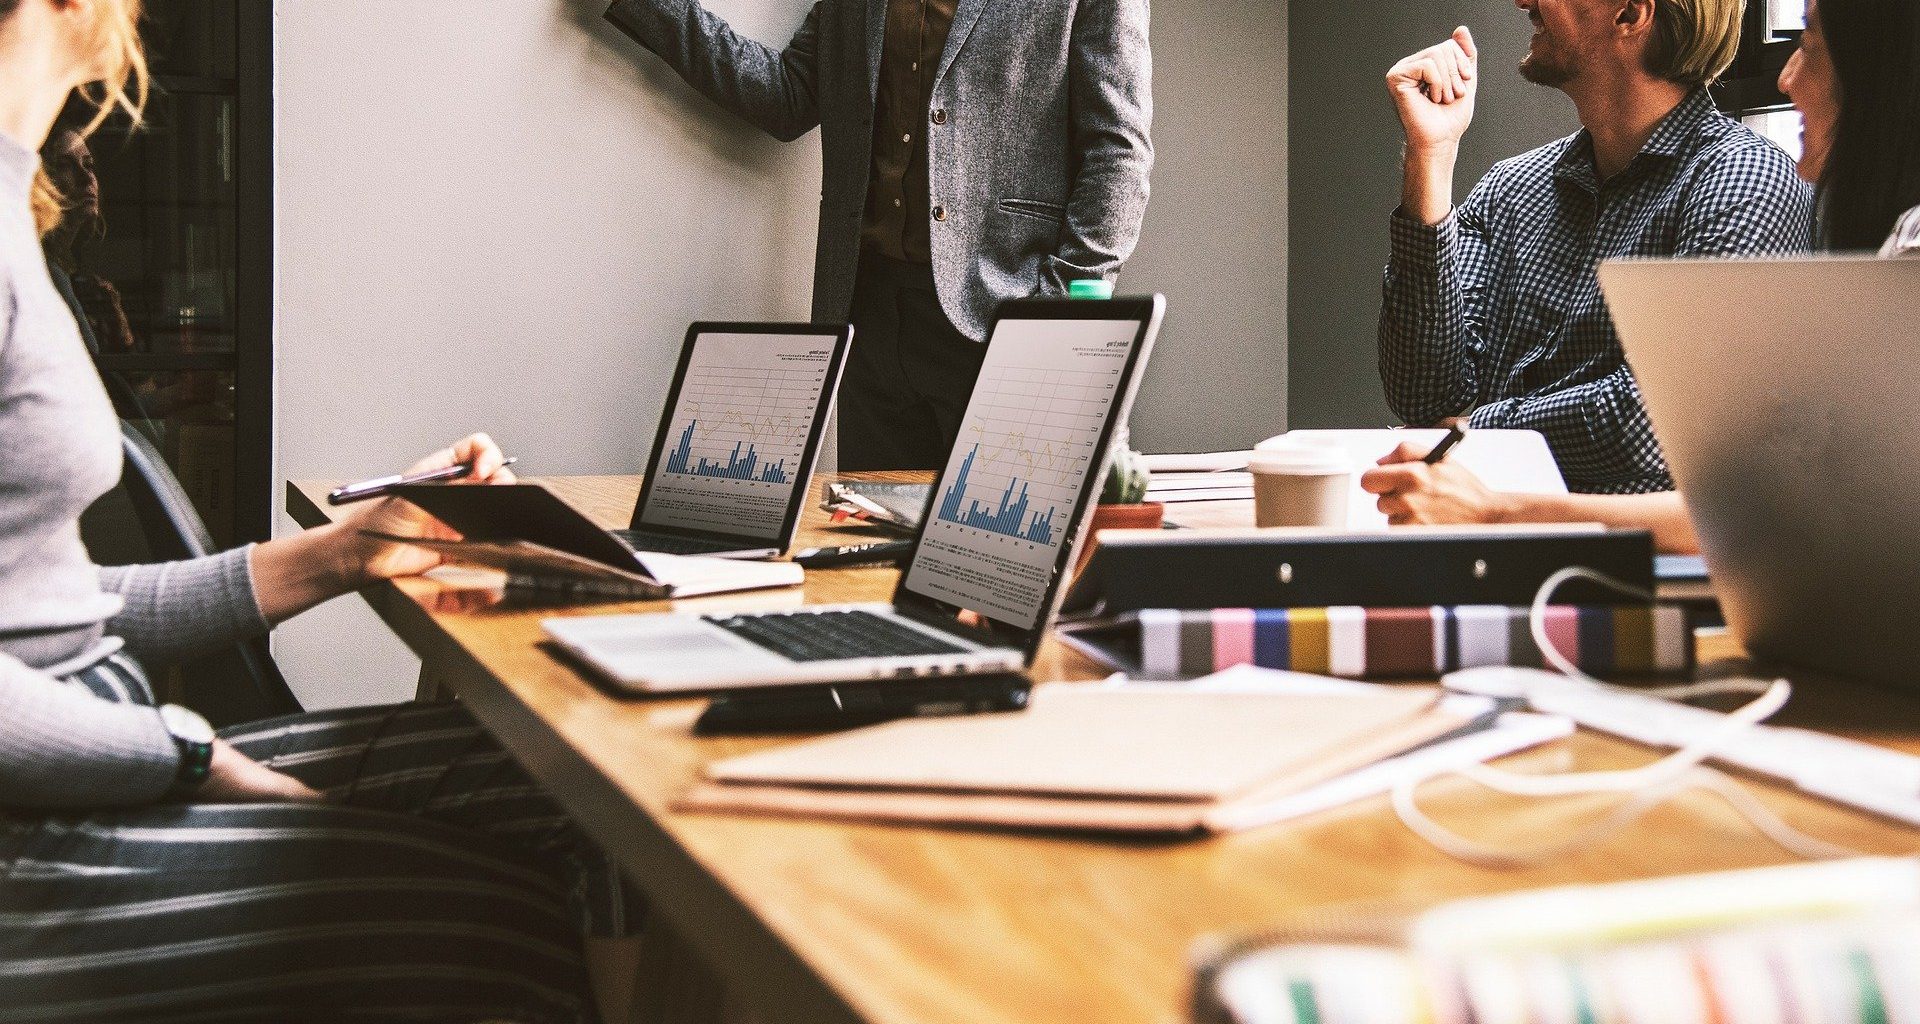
point(773, 90)
point(1433, 297)
point(1430, 337)
point(1111, 69)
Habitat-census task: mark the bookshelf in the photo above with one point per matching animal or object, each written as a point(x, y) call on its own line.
point(175, 275)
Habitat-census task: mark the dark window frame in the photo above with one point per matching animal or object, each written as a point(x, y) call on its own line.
point(1752, 84)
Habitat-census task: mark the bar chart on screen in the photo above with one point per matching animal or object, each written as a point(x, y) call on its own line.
point(1027, 448)
point(738, 433)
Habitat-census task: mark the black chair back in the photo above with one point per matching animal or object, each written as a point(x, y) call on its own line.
point(175, 531)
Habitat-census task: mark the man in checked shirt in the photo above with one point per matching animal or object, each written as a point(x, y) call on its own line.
point(1492, 309)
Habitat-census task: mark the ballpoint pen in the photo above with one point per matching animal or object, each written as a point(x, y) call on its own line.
point(380, 487)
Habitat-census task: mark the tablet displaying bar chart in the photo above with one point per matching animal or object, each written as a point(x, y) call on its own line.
point(1028, 444)
point(737, 438)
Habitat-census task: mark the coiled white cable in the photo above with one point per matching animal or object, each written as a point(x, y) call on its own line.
point(1645, 787)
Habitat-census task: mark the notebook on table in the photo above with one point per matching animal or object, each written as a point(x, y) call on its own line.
point(1082, 758)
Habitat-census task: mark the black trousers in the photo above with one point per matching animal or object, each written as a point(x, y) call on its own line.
point(910, 375)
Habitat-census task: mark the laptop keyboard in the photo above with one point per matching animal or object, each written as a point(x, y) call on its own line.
point(832, 636)
point(669, 545)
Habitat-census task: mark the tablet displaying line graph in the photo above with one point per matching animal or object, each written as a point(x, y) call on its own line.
point(1027, 446)
point(737, 437)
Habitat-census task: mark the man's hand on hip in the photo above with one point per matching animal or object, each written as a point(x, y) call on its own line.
point(1434, 91)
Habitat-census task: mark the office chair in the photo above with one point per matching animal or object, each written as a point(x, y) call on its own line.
point(175, 531)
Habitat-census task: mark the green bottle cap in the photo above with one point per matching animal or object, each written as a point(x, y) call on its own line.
point(1092, 289)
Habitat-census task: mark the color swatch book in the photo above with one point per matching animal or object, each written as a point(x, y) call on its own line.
point(1830, 942)
point(1385, 643)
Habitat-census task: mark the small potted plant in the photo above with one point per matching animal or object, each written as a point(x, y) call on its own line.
point(1121, 498)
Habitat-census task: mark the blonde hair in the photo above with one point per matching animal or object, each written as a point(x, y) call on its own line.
point(123, 85)
point(1694, 41)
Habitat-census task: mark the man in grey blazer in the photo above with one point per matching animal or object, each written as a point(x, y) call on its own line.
point(975, 151)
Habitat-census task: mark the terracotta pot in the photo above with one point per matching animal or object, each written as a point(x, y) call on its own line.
point(1148, 515)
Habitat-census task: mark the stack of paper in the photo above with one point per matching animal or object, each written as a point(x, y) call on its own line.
point(1198, 462)
point(1182, 487)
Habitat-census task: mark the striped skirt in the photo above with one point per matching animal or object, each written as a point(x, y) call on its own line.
point(438, 883)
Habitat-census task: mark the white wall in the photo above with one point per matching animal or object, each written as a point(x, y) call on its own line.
point(492, 217)
point(501, 216)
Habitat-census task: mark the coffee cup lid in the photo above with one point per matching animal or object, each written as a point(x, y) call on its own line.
point(1285, 454)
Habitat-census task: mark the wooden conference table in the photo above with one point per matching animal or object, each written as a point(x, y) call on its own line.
point(815, 921)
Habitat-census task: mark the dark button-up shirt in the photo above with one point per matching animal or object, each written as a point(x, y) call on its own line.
point(1496, 313)
point(898, 206)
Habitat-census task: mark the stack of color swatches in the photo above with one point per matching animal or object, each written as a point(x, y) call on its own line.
point(1389, 643)
point(1826, 972)
point(1835, 942)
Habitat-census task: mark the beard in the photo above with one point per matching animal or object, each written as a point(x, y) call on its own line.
point(1542, 66)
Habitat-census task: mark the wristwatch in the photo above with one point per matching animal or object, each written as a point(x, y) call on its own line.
point(194, 736)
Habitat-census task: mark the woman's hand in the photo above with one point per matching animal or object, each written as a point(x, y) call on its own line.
point(1413, 492)
point(366, 559)
point(235, 778)
point(295, 573)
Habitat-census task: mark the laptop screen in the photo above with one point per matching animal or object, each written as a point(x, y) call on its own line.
point(741, 430)
point(1030, 455)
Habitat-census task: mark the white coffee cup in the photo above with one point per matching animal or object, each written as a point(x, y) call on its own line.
point(1297, 482)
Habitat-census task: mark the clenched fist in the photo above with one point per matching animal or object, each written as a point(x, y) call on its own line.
point(1434, 90)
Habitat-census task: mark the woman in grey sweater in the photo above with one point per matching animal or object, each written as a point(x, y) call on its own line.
point(379, 863)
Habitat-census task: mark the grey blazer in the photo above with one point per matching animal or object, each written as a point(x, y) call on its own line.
point(1039, 149)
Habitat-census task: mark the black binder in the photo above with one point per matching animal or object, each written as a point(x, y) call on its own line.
point(1196, 569)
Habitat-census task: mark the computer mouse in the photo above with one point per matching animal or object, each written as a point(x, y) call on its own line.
point(1501, 681)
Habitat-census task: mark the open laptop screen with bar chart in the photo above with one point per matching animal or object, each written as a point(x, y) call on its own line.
point(744, 421)
point(1023, 469)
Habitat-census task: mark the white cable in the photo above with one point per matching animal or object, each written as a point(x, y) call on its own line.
point(1646, 787)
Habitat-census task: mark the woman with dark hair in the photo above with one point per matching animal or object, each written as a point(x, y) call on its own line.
point(372, 864)
point(1856, 82)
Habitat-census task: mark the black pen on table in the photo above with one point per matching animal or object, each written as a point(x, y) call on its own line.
point(836, 707)
point(859, 554)
point(380, 487)
point(1455, 434)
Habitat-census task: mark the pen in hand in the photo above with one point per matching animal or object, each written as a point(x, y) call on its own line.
point(1455, 434)
point(380, 487)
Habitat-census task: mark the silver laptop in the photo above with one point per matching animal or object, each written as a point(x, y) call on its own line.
point(745, 418)
point(1786, 394)
point(1001, 528)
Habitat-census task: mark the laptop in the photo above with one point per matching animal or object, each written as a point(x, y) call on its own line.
point(992, 554)
point(1786, 394)
point(735, 450)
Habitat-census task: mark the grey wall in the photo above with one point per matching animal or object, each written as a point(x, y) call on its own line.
point(1215, 235)
point(503, 217)
point(1345, 179)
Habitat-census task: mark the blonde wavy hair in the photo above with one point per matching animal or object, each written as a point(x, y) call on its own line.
point(123, 85)
point(1694, 41)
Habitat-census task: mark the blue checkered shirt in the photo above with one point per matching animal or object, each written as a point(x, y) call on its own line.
point(1496, 313)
